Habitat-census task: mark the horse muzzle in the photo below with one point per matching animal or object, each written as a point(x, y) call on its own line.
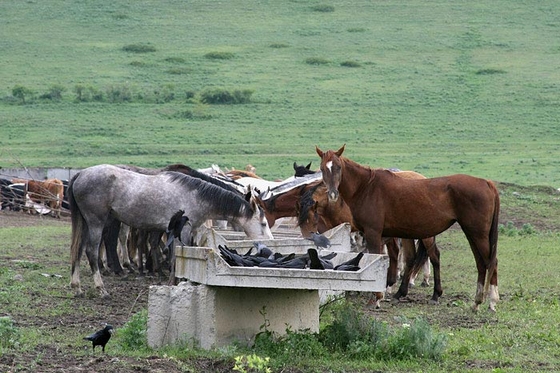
point(333, 195)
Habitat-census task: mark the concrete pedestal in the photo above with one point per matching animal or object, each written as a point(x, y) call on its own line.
point(214, 316)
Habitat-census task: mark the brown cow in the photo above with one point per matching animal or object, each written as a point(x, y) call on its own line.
point(48, 192)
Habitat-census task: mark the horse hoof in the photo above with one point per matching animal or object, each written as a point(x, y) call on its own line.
point(79, 294)
point(434, 302)
point(425, 284)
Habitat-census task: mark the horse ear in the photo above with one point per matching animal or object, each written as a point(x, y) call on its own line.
point(319, 151)
point(295, 166)
point(308, 166)
point(339, 151)
point(248, 195)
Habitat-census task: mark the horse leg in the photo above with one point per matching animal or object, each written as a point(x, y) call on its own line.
point(409, 258)
point(393, 252)
point(479, 247)
point(110, 238)
point(155, 240)
point(433, 252)
point(374, 245)
point(92, 252)
point(122, 247)
point(141, 243)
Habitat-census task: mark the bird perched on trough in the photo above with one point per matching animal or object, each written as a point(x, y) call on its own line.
point(320, 241)
point(352, 264)
point(317, 262)
point(175, 227)
point(100, 337)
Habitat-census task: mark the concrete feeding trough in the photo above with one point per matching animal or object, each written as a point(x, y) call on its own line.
point(221, 304)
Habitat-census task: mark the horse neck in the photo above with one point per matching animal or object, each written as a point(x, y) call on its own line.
point(285, 205)
point(353, 178)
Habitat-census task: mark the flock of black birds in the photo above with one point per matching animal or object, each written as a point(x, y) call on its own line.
point(265, 258)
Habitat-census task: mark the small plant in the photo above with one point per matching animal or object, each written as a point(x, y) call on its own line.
point(225, 96)
point(219, 55)
point(21, 92)
point(323, 8)
point(54, 93)
point(278, 45)
point(133, 334)
point(510, 230)
point(350, 64)
point(356, 29)
point(119, 93)
point(9, 334)
point(490, 71)
point(175, 60)
point(139, 48)
point(317, 61)
point(252, 363)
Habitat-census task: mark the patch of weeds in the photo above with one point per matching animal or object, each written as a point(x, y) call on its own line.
point(323, 8)
point(219, 55)
point(490, 71)
point(138, 64)
point(132, 336)
point(175, 60)
point(317, 61)
point(356, 29)
point(226, 96)
point(54, 93)
point(26, 264)
point(350, 64)
point(139, 48)
point(278, 45)
point(9, 333)
point(178, 71)
point(510, 230)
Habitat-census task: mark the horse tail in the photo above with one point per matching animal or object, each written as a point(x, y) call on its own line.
point(420, 258)
point(79, 228)
point(492, 264)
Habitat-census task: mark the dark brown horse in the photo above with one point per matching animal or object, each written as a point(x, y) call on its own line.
point(385, 205)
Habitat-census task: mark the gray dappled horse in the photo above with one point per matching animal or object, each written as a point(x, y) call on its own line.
point(100, 194)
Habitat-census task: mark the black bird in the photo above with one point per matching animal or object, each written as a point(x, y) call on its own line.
point(350, 265)
point(100, 337)
point(262, 250)
point(320, 241)
point(176, 224)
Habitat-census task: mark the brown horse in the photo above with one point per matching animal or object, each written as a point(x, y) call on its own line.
point(48, 192)
point(385, 205)
point(317, 214)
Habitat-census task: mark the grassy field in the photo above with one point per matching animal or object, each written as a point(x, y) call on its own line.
point(439, 87)
point(436, 86)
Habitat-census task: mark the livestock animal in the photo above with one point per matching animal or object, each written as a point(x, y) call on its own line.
point(101, 194)
point(301, 170)
point(48, 192)
point(385, 205)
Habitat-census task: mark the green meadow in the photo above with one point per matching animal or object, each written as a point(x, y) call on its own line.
point(439, 87)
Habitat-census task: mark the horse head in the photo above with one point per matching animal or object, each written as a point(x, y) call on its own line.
point(257, 226)
point(331, 167)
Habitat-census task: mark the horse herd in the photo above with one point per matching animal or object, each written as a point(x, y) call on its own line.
point(397, 211)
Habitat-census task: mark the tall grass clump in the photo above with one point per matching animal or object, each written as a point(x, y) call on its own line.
point(139, 48)
point(9, 334)
point(317, 61)
point(324, 8)
point(219, 55)
point(225, 96)
point(132, 336)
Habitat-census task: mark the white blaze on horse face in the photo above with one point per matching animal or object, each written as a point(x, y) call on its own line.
point(329, 166)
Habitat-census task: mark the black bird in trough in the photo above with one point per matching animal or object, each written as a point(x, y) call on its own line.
point(350, 265)
point(100, 337)
point(175, 227)
point(320, 241)
point(262, 250)
point(316, 262)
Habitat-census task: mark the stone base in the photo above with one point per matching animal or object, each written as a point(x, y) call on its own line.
point(214, 316)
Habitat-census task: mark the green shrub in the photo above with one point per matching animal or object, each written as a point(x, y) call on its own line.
point(20, 92)
point(316, 61)
point(132, 335)
point(490, 71)
point(139, 48)
point(54, 93)
point(278, 45)
point(119, 93)
point(225, 96)
point(416, 340)
point(323, 8)
point(356, 29)
point(350, 64)
point(9, 334)
point(175, 60)
point(219, 55)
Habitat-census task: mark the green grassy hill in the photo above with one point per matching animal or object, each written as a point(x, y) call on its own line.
point(438, 87)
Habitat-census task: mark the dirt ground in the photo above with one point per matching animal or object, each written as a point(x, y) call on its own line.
point(129, 295)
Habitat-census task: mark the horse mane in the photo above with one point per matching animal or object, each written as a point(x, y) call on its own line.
point(219, 198)
point(184, 169)
point(306, 203)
